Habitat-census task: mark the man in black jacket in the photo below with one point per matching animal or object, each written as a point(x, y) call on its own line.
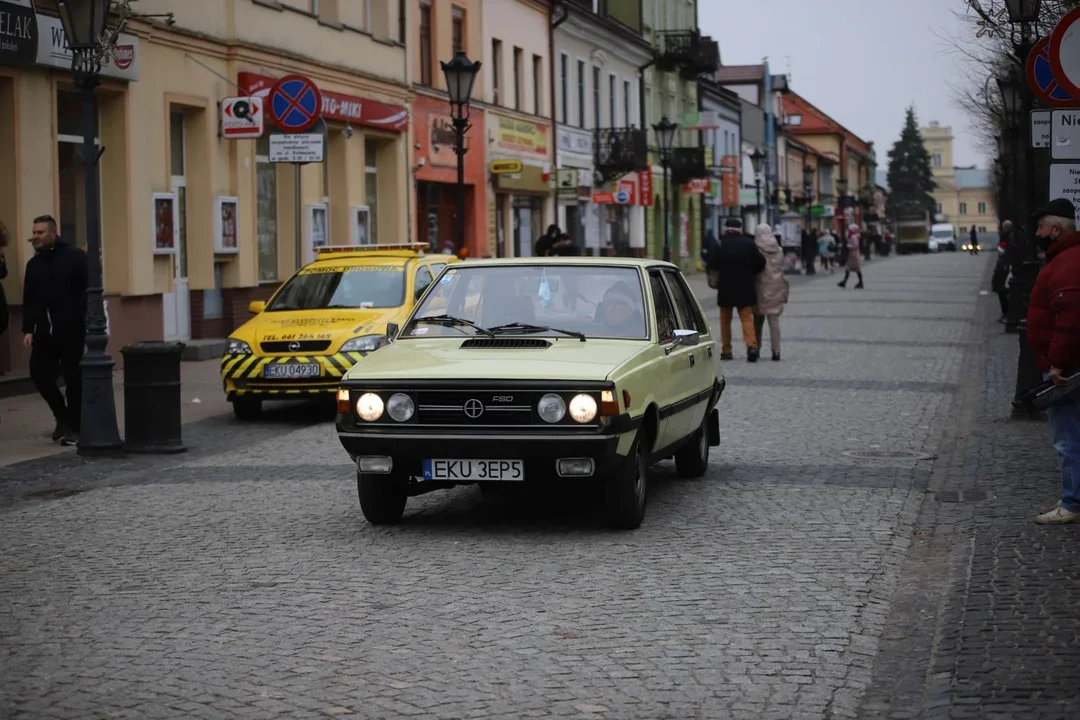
point(54, 323)
point(737, 263)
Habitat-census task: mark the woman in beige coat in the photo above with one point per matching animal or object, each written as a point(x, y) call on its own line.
point(772, 289)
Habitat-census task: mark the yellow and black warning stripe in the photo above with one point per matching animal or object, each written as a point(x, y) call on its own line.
point(251, 367)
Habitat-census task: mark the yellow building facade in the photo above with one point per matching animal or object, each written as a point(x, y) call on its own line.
point(963, 194)
point(195, 225)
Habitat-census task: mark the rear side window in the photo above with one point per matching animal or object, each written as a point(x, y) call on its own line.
point(689, 312)
point(665, 314)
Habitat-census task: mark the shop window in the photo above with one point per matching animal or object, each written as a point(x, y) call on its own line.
point(459, 29)
point(425, 44)
point(371, 187)
point(266, 201)
point(70, 171)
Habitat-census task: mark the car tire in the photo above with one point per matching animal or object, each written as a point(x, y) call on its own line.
point(382, 497)
point(625, 491)
point(692, 459)
point(247, 409)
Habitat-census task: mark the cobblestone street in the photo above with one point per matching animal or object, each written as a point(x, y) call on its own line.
point(862, 546)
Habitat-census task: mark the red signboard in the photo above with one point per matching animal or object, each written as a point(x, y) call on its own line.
point(645, 181)
point(336, 106)
point(729, 181)
point(697, 186)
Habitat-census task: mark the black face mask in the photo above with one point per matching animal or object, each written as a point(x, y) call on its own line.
point(1044, 242)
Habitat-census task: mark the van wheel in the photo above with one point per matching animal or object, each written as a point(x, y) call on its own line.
point(382, 497)
point(692, 459)
point(247, 409)
point(625, 492)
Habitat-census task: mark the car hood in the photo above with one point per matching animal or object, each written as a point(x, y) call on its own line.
point(443, 359)
point(298, 324)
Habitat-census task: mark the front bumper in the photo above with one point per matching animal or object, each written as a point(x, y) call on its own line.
point(244, 375)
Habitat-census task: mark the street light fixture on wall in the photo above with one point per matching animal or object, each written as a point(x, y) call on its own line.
point(1011, 90)
point(86, 28)
point(757, 159)
point(665, 141)
point(1023, 11)
point(460, 74)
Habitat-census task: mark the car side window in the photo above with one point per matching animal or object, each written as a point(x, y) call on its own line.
point(665, 313)
point(423, 279)
point(436, 268)
point(684, 301)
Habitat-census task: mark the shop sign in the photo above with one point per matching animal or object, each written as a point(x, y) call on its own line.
point(506, 167)
point(441, 141)
point(18, 32)
point(578, 142)
point(704, 120)
point(242, 117)
point(566, 183)
point(645, 181)
point(697, 186)
point(336, 106)
point(52, 51)
point(522, 136)
point(625, 193)
point(729, 181)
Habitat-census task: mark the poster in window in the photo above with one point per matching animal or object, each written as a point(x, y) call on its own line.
point(226, 231)
point(318, 227)
point(166, 230)
point(361, 229)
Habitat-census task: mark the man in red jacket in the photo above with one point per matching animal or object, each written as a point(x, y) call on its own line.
point(1053, 334)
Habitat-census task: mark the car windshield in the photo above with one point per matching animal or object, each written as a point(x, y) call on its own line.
point(535, 300)
point(360, 286)
point(943, 233)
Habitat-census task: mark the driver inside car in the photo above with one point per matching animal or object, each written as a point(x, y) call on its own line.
point(620, 312)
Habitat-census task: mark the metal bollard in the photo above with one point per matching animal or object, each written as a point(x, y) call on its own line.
point(152, 397)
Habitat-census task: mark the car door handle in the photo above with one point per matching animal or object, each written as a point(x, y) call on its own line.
point(693, 360)
point(710, 352)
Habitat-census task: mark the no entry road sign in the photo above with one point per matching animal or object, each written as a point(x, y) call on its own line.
point(295, 103)
point(1042, 79)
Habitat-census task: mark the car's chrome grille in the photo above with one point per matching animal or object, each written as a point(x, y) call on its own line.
point(452, 407)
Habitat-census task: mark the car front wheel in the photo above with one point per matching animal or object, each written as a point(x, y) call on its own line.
point(624, 495)
point(382, 497)
point(692, 459)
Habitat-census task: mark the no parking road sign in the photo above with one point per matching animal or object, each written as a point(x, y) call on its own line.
point(295, 103)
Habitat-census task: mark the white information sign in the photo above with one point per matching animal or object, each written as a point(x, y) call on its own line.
point(1040, 128)
point(296, 147)
point(1065, 182)
point(242, 117)
point(1065, 135)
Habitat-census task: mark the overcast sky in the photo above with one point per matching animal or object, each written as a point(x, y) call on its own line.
point(860, 61)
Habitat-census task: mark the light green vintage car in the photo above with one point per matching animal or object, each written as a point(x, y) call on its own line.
point(536, 371)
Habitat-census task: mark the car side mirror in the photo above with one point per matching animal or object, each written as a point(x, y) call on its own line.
point(256, 306)
point(392, 330)
point(687, 338)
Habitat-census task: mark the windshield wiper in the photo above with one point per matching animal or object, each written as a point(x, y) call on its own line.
point(453, 321)
point(527, 328)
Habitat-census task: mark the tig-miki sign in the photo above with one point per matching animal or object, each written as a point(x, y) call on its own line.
point(336, 106)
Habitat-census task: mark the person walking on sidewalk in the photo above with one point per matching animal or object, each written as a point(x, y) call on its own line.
point(827, 250)
point(1053, 335)
point(999, 282)
point(736, 263)
point(54, 324)
point(973, 242)
point(854, 257)
point(771, 288)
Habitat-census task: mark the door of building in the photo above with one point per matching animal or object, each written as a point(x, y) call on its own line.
point(436, 208)
point(527, 220)
point(176, 304)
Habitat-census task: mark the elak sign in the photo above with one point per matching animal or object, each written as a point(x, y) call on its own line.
point(18, 31)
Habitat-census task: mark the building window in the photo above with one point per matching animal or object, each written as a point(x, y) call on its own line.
point(401, 21)
point(496, 69)
point(459, 29)
point(626, 92)
point(178, 183)
point(963, 208)
point(581, 93)
point(982, 208)
point(613, 101)
point(538, 83)
point(425, 44)
point(71, 173)
point(939, 208)
point(937, 161)
point(266, 203)
point(519, 80)
point(963, 229)
point(564, 89)
point(371, 188)
point(982, 228)
point(596, 96)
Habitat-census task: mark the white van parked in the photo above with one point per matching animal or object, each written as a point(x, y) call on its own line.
point(942, 237)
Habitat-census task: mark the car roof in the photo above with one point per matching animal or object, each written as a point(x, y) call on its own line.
point(396, 254)
point(580, 261)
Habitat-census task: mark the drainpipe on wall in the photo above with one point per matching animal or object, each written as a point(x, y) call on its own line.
point(554, 113)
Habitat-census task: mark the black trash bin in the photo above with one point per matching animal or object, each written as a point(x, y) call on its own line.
point(152, 397)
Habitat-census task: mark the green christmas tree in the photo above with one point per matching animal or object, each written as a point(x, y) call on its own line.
point(911, 179)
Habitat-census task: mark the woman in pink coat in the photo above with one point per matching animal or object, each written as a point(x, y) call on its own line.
point(854, 256)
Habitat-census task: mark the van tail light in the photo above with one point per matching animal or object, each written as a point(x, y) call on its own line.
point(608, 404)
point(343, 406)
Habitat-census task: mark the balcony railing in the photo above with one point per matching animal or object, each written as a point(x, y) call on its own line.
point(687, 163)
point(688, 52)
point(618, 151)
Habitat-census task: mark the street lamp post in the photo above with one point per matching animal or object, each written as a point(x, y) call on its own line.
point(665, 140)
point(808, 191)
point(841, 191)
point(757, 158)
point(85, 26)
point(1023, 11)
point(460, 74)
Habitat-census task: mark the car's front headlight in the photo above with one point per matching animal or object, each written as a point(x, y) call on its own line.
point(583, 408)
point(369, 407)
point(551, 408)
point(400, 407)
point(237, 347)
point(367, 343)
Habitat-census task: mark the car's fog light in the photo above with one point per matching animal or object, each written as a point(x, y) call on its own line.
point(575, 467)
point(374, 464)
